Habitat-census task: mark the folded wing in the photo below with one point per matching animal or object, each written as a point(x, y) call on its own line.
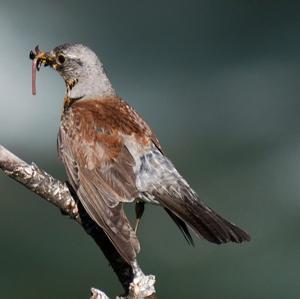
point(100, 170)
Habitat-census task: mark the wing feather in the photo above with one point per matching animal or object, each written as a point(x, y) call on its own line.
point(100, 170)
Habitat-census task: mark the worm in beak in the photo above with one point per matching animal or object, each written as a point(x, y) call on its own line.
point(38, 58)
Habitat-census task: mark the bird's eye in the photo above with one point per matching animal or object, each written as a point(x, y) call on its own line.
point(61, 58)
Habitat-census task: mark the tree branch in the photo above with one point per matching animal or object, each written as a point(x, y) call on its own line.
point(63, 197)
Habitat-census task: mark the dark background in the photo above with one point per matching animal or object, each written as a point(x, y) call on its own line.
point(219, 83)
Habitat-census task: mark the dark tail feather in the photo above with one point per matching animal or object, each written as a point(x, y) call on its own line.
point(238, 232)
point(205, 222)
point(182, 226)
point(213, 227)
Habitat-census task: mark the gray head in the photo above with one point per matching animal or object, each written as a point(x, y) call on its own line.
point(82, 71)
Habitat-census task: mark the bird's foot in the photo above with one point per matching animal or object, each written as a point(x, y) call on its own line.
point(142, 285)
point(96, 294)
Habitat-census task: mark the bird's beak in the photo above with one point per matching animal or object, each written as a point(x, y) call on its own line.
point(42, 58)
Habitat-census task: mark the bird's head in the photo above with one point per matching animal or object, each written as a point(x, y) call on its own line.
point(79, 66)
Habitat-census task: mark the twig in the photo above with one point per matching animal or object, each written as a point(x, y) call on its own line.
point(62, 196)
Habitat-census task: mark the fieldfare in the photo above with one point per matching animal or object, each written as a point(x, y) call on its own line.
point(112, 157)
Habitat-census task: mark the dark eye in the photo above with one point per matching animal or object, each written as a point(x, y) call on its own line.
point(61, 58)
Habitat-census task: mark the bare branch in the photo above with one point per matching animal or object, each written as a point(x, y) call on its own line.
point(39, 182)
point(60, 195)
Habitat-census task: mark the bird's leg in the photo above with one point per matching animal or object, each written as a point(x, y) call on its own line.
point(139, 211)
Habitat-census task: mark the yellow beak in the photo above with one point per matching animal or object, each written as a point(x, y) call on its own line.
point(42, 58)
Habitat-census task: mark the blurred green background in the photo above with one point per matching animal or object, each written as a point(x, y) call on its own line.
point(219, 83)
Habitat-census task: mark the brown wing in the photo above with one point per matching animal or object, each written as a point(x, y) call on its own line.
point(100, 169)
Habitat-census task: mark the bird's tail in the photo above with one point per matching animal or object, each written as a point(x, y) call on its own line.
point(206, 223)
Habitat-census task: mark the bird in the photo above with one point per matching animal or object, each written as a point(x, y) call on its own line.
point(112, 157)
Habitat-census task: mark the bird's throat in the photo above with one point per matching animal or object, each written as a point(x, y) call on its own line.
point(68, 102)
